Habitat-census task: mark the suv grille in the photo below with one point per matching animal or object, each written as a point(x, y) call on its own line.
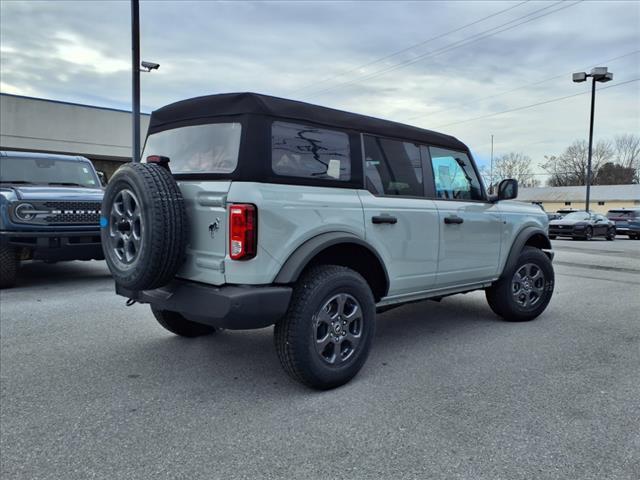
point(57, 213)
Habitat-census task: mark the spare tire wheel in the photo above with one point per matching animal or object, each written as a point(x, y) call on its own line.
point(144, 226)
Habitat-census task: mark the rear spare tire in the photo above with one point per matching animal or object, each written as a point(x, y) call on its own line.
point(144, 226)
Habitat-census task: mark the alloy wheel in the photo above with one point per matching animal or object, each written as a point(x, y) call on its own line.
point(338, 329)
point(125, 227)
point(527, 285)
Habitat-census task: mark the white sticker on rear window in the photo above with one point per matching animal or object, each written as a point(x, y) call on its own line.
point(333, 170)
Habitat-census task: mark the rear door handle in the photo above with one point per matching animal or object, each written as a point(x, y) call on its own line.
point(384, 219)
point(453, 219)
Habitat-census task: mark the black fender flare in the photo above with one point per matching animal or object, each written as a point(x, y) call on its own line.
point(520, 241)
point(298, 260)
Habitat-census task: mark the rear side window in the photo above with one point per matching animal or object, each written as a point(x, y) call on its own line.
point(454, 175)
point(392, 167)
point(210, 148)
point(309, 152)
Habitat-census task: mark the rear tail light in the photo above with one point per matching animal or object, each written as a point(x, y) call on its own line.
point(243, 231)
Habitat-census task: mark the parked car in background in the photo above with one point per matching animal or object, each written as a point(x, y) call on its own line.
point(553, 216)
point(627, 222)
point(49, 210)
point(584, 225)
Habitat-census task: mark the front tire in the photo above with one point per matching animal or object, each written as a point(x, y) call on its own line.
point(8, 266)
point(525, 290)
point(176, 323)
point(325, 338)
point(611, 234)
point(588, 234)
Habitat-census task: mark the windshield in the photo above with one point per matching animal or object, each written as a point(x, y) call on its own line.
point(577, 216)
point(47, 171)
point(211, 148)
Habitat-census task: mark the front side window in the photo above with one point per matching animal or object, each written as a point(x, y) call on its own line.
point(454, 175)
point(392, 167)
point(309, 152)
point(47, 171)
point(209, 148)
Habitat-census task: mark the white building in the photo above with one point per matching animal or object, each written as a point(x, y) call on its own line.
point(101, 134)
point(602, 197)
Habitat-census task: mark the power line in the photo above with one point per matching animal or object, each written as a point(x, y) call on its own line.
point(399, 52)
point(452, 46)
point(635, 52)
point(552, 100)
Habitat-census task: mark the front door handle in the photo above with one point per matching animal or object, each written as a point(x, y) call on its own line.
point(453, 220)
point(384, 219)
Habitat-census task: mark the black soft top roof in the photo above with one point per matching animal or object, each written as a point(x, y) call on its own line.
point(225, 104)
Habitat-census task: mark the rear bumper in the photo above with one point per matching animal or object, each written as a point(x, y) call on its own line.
point(57, 246)
point(233, 307)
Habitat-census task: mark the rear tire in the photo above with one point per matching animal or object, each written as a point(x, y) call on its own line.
point(509, 300)
point(325, 338)
point(176, 323)
point(8, 266)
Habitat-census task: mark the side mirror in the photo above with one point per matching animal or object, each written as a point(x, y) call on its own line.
point(102, 177)
point(508, 189)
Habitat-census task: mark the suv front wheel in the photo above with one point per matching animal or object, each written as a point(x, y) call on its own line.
point(325, 338)
point(525, 290)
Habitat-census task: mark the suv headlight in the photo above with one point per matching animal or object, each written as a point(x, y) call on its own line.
point(24, 212)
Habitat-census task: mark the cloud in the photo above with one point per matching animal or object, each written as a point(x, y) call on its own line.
point(80, 51)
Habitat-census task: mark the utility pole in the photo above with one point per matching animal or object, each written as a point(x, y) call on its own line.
point(491, 172)
point(135, 79)
point(593, 106)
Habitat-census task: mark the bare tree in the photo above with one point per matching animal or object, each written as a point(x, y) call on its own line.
point(570, 168)
point(627, 152)
point(513, 165)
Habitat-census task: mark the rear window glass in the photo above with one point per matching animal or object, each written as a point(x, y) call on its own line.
point(623, 214)
point(210, 148)
point(309, 152)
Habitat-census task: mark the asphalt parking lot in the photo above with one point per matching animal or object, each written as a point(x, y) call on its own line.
point(91, 388)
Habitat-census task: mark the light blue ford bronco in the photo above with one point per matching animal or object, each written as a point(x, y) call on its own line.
point(250, 211)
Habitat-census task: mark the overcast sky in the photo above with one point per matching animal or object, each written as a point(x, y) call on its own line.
point(341, 54)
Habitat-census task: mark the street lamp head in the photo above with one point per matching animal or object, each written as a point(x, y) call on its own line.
point(150, 66)
point(601, 74)
point(607, 77)
point(579, 77)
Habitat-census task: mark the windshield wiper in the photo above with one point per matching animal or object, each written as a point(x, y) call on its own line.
point(21, 182)
point(66, 184)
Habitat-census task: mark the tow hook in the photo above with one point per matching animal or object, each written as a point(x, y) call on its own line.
point(130, 302)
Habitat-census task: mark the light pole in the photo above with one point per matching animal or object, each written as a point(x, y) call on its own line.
point(598, 74)
point(135, 79)
point(491, 171)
